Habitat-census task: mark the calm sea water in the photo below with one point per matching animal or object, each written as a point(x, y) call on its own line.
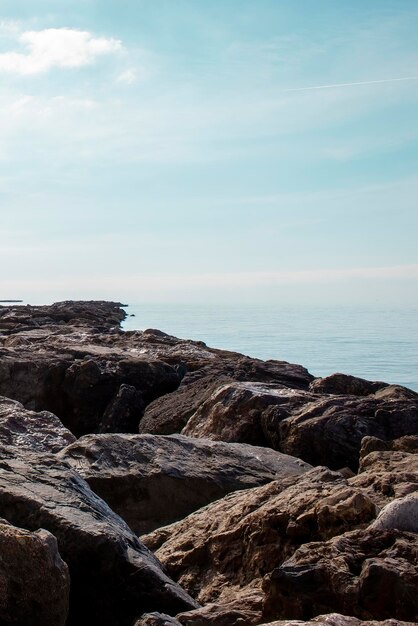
point(378, 344)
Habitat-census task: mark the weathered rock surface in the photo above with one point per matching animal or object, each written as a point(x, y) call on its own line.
point(329, 430)
point(42, 432)
point(343, 384)
point(171, 413)
point(238, 411)
point(369, 574)
point(201, 618)
point(153, 480)
point(334, 619)
point(232, 543)
point(113, 576)
point(34, 580)
point(387, 475)
point(320, 429)
point(403, 444)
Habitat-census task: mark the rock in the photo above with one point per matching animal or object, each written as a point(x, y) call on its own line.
point(244, 609)
point(123, 412)
point(387, 475)
point(403, 444)
point(329, 430)
point(41, 432)
point(343, 384)
point(83, 388)
point(369, 574)
point(35, 584)
point(95, 314)
point(157, 619)
point(401, 514)
point(334, 619)
point(113, 576)
point(232, 543)
point(169, 414)
point(236, 411)
point(153, 480)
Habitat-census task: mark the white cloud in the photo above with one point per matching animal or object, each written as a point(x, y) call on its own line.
point(56, 47)
point(128, 77)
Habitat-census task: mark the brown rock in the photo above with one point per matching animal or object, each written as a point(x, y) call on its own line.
point(387, 475)
point(34, 580)
point(235, 541)
point(370, 574)
point(329, 430)
point(343, 384)
point(335, 619)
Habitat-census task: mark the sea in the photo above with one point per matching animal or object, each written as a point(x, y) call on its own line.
point(370, 342)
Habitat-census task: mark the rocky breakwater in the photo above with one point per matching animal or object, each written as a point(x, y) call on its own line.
point(151, 480)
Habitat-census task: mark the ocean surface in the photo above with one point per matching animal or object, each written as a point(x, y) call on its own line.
point(374, 343)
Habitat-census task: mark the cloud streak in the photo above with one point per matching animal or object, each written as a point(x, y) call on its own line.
point(354, 84)
point(56, 48)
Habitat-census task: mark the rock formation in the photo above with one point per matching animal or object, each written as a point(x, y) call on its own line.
point(262, 495)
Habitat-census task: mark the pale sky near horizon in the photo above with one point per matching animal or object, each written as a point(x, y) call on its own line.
point(209, 151)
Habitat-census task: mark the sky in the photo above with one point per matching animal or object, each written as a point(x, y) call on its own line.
point(209, 151)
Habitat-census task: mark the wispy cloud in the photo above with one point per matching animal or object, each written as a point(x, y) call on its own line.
point(56, 48)
point(354, 84)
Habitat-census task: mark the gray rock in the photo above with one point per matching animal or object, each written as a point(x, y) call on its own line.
point(401, 514)
point(153, 480)
point(41, 432)
point(113, 576)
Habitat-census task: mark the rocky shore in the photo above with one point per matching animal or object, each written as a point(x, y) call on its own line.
point(153, 481)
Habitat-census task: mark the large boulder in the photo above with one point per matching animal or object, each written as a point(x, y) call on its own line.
point(231, 544)
point(169, 414)
point(41, 432)
point(34, 580)
point(370, 574)
point(113, 576)
point(330, 429)
point(85, 386)
point(153, 480)
point(346, 385)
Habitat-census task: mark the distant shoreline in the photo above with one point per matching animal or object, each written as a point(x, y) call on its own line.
point(10, 301)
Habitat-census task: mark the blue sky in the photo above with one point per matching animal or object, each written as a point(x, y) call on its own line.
point(209, 150)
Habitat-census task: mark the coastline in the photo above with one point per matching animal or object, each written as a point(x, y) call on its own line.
point(227, 466)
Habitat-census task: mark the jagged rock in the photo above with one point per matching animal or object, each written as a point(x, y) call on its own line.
point(370, 574)
point(403, 444)
point(237, 411)
point(320, 429)
point(235, 541)
point(34, 580)
point(169, 414)
point(245, 609)
point(334, 619)
point(387, 475)
point(401, 514)
point(153, 480)
point(157, 619)
point(343, 384)
point(42, 432)
point(329, 430)
point(83, 388)
point(113, 576)
point(94, 313)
